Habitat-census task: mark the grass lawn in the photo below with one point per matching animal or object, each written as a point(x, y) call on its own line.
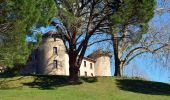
point(100, 88)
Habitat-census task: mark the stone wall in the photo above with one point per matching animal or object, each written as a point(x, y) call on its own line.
point(87, 69)
point(47, 57)
point(102, 66)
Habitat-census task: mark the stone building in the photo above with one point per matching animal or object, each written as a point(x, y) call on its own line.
point(51, 58)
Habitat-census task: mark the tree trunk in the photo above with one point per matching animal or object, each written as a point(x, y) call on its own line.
point(117, 68)
point(116, 56)
point(75, 60)
point(73, 77)
point(74, 68)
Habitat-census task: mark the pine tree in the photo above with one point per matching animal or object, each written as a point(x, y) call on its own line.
point(17, 17)
point(129, 23)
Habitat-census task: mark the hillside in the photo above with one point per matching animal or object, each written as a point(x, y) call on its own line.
point(99, 88)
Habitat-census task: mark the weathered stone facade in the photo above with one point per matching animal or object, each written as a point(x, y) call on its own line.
point(52, 59)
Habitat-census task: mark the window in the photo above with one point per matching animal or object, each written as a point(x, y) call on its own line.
point(91, 66)
point(84, 63)
point(91, 74)
point(55, 63)
point(55, 50)
point(85, 73)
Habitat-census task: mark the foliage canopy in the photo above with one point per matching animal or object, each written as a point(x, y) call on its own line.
point(17, 18)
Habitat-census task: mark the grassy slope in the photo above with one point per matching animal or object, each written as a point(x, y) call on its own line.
point(101, 88)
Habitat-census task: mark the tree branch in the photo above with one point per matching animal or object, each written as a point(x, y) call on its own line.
point(99, 41)
point(127, 59)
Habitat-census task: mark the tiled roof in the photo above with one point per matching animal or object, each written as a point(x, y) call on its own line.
point(98, 53)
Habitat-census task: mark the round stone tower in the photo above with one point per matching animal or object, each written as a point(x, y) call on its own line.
point(102, 64)
point(53, 58)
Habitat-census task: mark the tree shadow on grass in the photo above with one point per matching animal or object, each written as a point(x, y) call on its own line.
point(48, 82)
point(53, 81)
point(40, 81)
point(37, 81)
point(144, 87)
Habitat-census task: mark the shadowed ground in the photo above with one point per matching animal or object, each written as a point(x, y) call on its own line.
point(50, 82)
point(145, 87)
point(40, 81)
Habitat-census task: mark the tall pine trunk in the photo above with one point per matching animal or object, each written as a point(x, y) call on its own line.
point(116, 55)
